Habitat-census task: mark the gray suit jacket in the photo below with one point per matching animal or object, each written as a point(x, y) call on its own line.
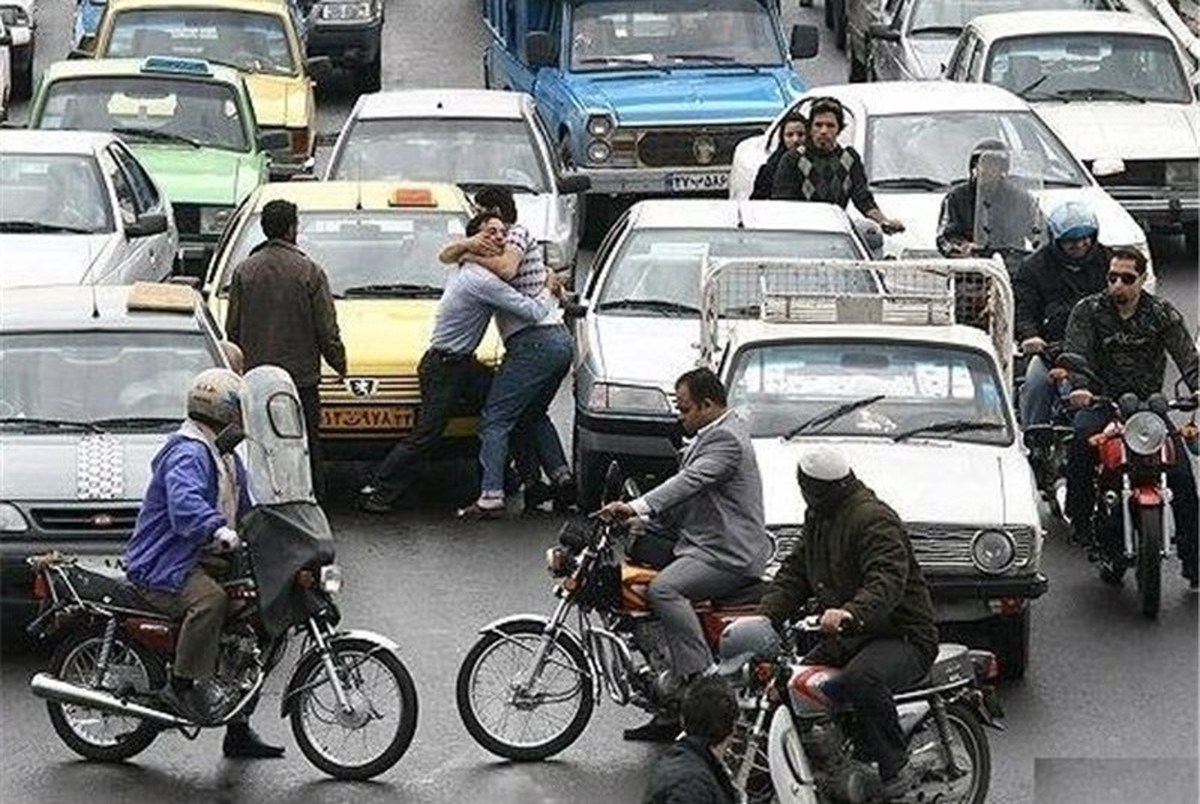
point(715, 501)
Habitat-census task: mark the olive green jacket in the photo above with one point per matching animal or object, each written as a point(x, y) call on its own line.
point(858, 558)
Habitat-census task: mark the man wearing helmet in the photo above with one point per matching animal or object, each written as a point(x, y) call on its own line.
point(196, 494)
point(855, 559)
point(1048, 284)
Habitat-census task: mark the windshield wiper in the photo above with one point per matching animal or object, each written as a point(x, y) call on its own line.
point(916, 182)
point(396, 289)
point(623, 60)
point(948, 428)
point(1099, 92)
point(476, 186)
point(661, 306)
point(137, 422)
point(1031, 87)
point(713, 58)
point(64, 424)
point(829, 416)
point(38, 227)
point(157, 135)
point(950, 30)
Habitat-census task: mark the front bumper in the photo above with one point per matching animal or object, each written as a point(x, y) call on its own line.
point(1158, 206)
point(1026, 587)
point(635, 437)
point(346, 45)
point(659, 181)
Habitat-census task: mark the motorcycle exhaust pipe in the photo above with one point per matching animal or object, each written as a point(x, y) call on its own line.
point(47, 686)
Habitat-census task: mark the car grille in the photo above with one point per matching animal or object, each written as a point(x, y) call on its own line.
point(1137, 173)
point(937, 547)
point(187, 218)
point(92, 519)
point(688, 147)
point(386, 389)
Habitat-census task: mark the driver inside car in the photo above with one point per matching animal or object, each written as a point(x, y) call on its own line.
point(196, 494)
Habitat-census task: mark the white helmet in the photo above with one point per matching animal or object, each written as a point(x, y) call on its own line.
point(215, 397)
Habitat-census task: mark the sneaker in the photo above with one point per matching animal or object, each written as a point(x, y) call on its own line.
point(660, 729)
point(897, 786)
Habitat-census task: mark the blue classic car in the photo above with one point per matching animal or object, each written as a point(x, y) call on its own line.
point(648, 97)
point(87, 20)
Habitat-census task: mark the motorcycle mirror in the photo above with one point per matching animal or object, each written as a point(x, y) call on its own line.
point(612, 481)
point(631, 489)
point(1159, 404)
point(1129, 404)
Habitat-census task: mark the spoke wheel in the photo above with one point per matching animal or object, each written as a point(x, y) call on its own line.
point(524, 725)
point(972, 758)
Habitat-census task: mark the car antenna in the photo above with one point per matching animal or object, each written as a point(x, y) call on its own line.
point(95, 303)
point(741, 223)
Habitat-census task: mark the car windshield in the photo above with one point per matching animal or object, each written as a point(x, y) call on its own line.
point(196, 111)
point(947, 17)
point(370, 251)
point(41, 193)
point(1089, 66)
point(784, 384)
point(127, 374)
point(252, 42)
point(443, 150)
point(936, 146)
point(625, 34)
point(658, 270)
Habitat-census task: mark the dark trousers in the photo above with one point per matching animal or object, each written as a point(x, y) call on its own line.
point(450, 383)
point(202, 605)
point(871, 671)
point(310, 405)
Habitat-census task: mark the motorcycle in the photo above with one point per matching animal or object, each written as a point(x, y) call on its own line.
point(351, 702)
point(1048, 444)
point(1133, 522)
point(527, 688)
point(803, 751)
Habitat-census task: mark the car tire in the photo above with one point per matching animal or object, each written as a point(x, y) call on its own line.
point(1010, 640)
point(858, 70)
point(370, 75)
point(839, 24)
point(828, 6)
point(589, 476)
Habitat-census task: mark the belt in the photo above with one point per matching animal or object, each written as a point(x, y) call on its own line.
point(446, 356)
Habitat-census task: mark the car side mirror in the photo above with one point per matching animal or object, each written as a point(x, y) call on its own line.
point(540, 50)
point(274, 141)
point(885, 33)
point(146, 224)
point(319, 67)
point(805, 42)
point(1107, 166)
point(574, 183)
point(574, 310)
point(79, 53)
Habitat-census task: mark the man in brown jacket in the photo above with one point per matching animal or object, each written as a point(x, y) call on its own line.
point(281, 313)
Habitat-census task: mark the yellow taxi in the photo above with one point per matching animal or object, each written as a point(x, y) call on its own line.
point(378, 243)
point(258, 37)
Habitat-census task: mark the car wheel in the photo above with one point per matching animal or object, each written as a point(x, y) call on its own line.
point(858, 70)
point(839, 25)
point(370, 76)
point(828, 6)
point(1010, 639)
point(1189, 239)
point(589, 476)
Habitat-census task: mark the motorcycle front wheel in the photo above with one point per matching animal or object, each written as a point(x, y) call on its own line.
point(525, 725)
point(1149, 560)
point(968, 746)
point(375, 733)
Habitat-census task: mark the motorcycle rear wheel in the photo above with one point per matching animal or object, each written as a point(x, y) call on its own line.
point(520, 642)
point(1149, 560)
point(357, 661)
point(74, 661)
point(966, 734)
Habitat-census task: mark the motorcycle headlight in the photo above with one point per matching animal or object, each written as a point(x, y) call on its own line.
point(11, 519)
point(345, 12)
point(213, 219)
point(598, 151)
point(1183, 173)
point(628, 398)
point(1145, 433)
point(600, 125)
point(331, 579)
point(993, 551)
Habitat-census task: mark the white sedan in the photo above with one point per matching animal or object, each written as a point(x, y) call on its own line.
point(916, 138)
point(78, 208)
point(472, 138)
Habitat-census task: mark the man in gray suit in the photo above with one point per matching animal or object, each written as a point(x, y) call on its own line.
point(713, 509)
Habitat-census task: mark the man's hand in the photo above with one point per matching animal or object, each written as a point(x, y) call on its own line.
point(1080, 398)
point(1033, 346)
point(618, 512)
point(555, 284)
point(964, 248)
point(225, 539)
point(481, 245)
point(891, 226)
point(834, 620)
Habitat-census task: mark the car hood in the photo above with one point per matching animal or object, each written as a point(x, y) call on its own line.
point(1109, 129)
point(53, 259)
point(620, 354)
point(980, 484)
point(687, 96)
point(280, 101)
point(201, 175)
point(61, 466)
point(928, 54)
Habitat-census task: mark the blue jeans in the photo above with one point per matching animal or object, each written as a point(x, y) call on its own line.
point(535, 361)
point(1037, 393)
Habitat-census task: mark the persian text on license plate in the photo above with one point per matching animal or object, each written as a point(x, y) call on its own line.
point(367, 417)
point(683, 182)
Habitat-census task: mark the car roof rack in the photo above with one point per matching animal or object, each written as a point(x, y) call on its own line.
point(161, 297)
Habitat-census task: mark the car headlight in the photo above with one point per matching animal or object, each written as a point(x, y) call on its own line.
point(598, 151)
point(629, 398)
point(346, 12)
point(213, 219)
point(1183, 173)
point(600, 125)
point(1145, 432)
point(993, 551)
point(11, 519)
point(331, 579)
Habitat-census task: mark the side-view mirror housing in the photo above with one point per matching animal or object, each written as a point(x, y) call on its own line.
point(79, 53)
point(885, 33)
point(574, 183)
point(146, 224)
point(540, 50)
point(805, 42)
point(319, 68)
point(1106, 166)
point(574, 309)
point(275, 140)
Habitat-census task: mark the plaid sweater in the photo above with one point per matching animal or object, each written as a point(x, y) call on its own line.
point(835, 177)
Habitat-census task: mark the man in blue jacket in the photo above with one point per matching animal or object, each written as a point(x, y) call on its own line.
point(196, 495)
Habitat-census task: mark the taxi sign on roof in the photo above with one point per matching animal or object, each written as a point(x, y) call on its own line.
point(159, 297)
point(411, 197)
point(176, 65)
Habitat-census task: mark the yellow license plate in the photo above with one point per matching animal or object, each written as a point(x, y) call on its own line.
point(368, 417)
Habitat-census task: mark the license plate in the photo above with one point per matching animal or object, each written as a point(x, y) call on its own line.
point(683, 182)
point(378, 417)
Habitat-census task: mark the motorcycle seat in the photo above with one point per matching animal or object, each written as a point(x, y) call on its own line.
point(749, 594)
point(952, 664)
point(110, 589)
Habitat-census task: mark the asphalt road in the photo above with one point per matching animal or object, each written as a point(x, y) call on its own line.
point(1109, 705)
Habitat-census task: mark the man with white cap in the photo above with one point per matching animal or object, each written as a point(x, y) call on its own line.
point(855, 559)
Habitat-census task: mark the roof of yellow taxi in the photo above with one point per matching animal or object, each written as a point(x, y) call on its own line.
point(248, 5)
point(346, 195)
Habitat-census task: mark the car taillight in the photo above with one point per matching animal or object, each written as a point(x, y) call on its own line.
point(41, 589)
point(299, 142)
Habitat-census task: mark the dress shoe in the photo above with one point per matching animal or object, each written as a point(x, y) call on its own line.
point(660, 729)
point(242, 742)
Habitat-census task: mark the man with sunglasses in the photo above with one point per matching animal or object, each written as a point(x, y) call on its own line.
point(1126, 334)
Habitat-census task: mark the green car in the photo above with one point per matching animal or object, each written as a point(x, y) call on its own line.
point(189, 122)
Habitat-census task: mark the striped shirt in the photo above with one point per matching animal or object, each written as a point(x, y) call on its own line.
point(530, 280)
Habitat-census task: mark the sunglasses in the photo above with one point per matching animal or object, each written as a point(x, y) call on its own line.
point(1124, 278)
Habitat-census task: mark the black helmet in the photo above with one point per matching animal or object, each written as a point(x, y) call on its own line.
point(987, 147)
